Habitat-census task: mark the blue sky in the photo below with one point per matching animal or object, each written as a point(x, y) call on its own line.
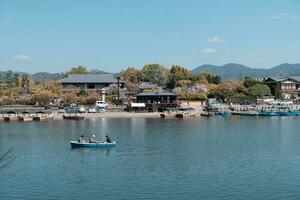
point(110, 35)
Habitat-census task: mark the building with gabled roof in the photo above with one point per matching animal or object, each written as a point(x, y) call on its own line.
point(287, 87)
point(89, 81)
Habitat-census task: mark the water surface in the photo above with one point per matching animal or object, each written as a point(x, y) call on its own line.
point(204, 158)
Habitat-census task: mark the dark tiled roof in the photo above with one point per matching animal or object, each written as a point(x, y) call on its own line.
point(90, 78)
point(279, 79)
point(276, 78)
point(296, 78)
point(146, 94)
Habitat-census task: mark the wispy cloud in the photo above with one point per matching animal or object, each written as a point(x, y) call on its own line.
point(284, 16)
point(21, 57)
point(215, 39)
point(209, 50)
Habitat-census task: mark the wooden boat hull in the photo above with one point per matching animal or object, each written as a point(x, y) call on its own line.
point(25, 119)
point(167, 116)
point(38, 118)
point(73, 117)
point(207, 114)
point(88, 145)
point(185, 115)
point(8, 119)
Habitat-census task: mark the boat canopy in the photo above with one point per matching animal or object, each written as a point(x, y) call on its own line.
point(11, 112)
point(138, 105)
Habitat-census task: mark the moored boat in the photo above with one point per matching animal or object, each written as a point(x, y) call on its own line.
point(268, 113)
point(11, 118)
point(97, 144)
point(186, 113)
point(170, 113)
point(42, 118)
point(249, 114)
point(73, 117)
point(25, 118)
point(207, 114)
point(296, 112)
point(286, 113)
point(224, 114)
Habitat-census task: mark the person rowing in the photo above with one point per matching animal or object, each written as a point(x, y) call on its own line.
point(93, 139)
point(108, 140)
point(81, 139)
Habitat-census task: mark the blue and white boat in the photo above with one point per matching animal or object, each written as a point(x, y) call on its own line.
point(296, 112)
point(286, 113)
point(269, 113)
point(96, 144)
point(224, 114)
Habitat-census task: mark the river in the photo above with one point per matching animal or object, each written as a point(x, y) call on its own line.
point(201, 158)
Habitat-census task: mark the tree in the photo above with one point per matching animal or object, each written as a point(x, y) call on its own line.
point(210, 77)
point(131, 75)
point(196, 92)
point(69, 97)
point(132, 87)
point(198, 88)
point(55, 87)
point(259, 90)
point(229, 88)
point(77, 70)
point(177, 74)
point(42, 96)
point(249, 82)
point(155, 73)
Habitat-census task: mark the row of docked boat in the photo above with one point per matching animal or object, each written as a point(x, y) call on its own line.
point(178, 113)
point(280, 113)
point(263, 113)
point(27, 118)
point(268, 113)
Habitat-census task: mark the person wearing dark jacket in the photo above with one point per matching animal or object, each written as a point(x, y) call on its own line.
point(108, 140)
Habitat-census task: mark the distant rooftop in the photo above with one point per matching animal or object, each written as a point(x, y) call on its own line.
point(90, 78)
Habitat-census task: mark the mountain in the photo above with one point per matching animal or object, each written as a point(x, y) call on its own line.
point(42, 76)
point(237, 71)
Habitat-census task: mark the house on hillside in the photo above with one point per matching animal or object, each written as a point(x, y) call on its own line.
point(89, 82)
point(287, 87)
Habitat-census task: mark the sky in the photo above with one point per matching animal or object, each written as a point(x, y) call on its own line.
point(111, 35)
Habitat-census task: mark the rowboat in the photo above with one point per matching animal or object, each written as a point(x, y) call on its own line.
point(97, 144)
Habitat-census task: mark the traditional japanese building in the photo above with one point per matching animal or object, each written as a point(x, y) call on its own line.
point(89, 82)
point(287, 87)
point(157, 101)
